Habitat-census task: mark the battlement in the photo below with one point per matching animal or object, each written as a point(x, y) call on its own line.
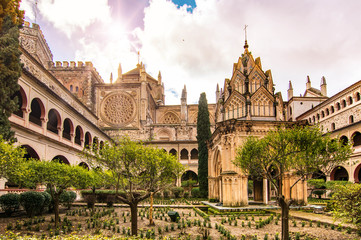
point(72, 65)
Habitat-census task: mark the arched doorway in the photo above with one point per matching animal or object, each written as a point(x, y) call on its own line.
point(339, 174)
point(189, 175)
point(357, 174)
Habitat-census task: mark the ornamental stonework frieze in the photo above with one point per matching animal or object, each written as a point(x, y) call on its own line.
point(118, 109)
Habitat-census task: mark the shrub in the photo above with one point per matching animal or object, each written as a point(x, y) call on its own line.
point(186, 194)
point(10, 203)
point(195, 192)
point(166, 193)
point(67, 198)
point(177, 191)
point(32, 202)
point(46, 204)
point(110, 200)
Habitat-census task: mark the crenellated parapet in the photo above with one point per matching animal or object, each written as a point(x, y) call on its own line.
point(33, 41)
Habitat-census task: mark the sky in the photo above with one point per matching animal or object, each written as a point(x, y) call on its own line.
point(196, 42)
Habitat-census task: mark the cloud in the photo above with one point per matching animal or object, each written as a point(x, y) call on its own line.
point(70, 16)
point(293, 38)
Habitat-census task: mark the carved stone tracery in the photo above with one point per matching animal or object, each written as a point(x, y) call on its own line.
point(118, 109)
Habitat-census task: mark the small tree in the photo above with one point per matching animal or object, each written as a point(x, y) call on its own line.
point(57, 177)
point(299, 151)
point(137, 170)
point(203, 135)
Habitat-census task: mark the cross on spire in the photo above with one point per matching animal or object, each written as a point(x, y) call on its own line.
point(245, 31)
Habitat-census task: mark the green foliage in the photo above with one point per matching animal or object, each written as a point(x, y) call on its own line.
point(11, 19)
point(196, 192)
point(32, 202)
point(300, 150)
point(177, 191)
point(189, 183)
point(56, 176)
point(67, 198)
point(11, 158)
point(47, 202)
point(133, 166)
point(317, 185)
point(346, 204)
point(203, 135)
point(10, 203)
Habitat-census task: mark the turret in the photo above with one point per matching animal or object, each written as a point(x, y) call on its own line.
point(308, 83)
point(323, 86)
point(290, 91)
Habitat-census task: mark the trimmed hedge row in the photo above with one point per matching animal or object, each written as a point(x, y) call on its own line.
point(34, 203)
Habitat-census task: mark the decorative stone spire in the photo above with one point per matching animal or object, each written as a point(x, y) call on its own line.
point(120, 72)
point(184, 92)
point(290, 91)
point(159, 78)
point(308, 83)
point(323, 86)
point(217, 92)
point(111, 78)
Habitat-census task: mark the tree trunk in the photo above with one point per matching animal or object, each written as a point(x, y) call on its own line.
point(134, 218)
point(56, 210)
point(151, 222)
point(285, 217)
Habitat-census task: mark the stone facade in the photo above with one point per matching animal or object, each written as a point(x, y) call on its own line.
point(67, 106)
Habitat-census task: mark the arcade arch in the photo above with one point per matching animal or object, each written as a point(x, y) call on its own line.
point(339, 174)
point(37, 113)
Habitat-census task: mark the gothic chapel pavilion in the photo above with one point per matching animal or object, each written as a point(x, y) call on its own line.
point(246, 107)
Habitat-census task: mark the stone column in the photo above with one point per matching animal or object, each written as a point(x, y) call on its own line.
point(265, 191)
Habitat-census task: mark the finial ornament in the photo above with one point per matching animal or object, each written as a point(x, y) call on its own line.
point(138, 57)
point(245, 36)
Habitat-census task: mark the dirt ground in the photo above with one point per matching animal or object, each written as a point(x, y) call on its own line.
point(116, 222)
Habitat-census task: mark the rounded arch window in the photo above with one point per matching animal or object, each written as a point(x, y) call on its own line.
point(333, 126)
point(322, 114)
point(332, 109)
point(30, 152)
point(78, 135)
point(339, 174)
point(344, 103)
point(327, 112)
point(67, 129)
point(173, 152)
point(194, 154)
point(344, 140)
point(53, 121)
point(37, 112)
point(350, 101)
point(21, 102)
point(357, 96)
point(351, 120)
point(356, 139)
point(184, 154)
point(338, 106)
point(88, 140)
